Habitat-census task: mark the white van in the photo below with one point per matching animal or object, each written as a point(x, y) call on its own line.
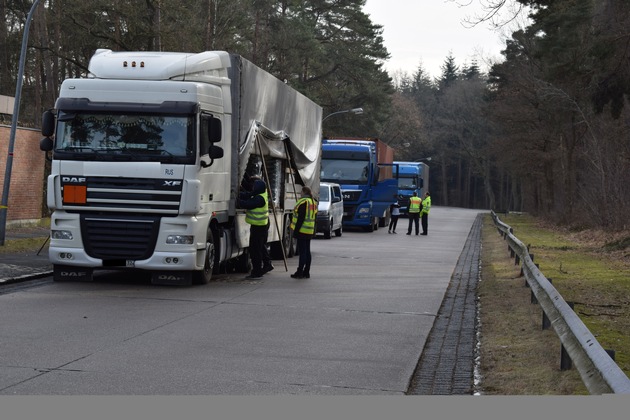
point(330, 210)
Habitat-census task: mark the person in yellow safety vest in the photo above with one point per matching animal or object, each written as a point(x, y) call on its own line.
point(424, 213)
point(257, 215)
point(303, 227)
point(415, 204)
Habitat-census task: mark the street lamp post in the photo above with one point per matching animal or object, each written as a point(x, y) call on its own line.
point(356, 111)
point(16, 111)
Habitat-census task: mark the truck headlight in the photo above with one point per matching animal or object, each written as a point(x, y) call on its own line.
point(61, 234)
point(364, 210)
point(180, 239)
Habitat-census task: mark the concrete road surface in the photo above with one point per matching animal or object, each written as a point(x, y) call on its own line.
point(356, 327)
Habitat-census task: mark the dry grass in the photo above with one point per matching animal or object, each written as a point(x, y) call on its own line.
point(517, 356)
point(25, 238)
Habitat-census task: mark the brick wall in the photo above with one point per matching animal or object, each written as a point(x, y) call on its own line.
point(27, 173)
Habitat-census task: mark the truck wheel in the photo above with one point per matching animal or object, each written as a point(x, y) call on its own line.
point(339, 231)
point(292, 251)
point(328, 232)
point(287, 242)
point(204, 276)
point(369, 228)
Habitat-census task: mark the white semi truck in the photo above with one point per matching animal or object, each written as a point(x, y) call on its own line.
point(150, 152)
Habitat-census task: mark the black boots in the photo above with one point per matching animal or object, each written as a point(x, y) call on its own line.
point(299, 274)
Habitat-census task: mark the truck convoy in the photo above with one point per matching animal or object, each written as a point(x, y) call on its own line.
point(150, 152)
point(412, 177)
point(364, 169)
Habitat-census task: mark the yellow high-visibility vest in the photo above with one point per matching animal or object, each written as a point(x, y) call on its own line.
point(260, 215)
point(414, 204)
point(308, 226)
point(426, 205)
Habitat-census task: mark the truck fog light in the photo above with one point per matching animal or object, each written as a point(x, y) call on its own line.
point(180, 239)
point(176, 260)
point(61, 234)
point(66, 256)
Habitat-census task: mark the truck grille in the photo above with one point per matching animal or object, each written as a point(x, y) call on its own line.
point(138, 195)
point(351, 195)
point(348, 213)
point(119, 238)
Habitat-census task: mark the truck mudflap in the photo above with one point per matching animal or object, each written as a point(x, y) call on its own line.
point(172, 278)
point(69, 273)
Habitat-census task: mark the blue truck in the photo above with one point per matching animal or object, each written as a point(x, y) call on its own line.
point(412, 177)
point(365, 170)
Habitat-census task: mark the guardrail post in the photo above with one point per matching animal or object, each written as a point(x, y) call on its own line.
point(545, 320)
point(565, 360)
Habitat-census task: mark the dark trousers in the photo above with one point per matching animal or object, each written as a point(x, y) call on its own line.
point(304, 250)
point(425, 223)
point(414, 219)
point(393, 222)
point(258, 248)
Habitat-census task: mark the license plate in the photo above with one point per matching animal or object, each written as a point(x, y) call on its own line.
point(130, 263)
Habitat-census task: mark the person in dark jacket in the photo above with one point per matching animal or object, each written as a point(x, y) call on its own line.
point(394, 211)
point(257, 215)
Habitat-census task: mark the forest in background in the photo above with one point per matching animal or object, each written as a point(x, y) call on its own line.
point(546, 130)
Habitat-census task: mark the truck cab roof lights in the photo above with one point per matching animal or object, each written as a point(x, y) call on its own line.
point(133, 64)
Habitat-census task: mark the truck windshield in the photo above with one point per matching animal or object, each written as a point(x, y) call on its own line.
point(168, 138)
point(323, 194)
point(344, 171)
point(408, 183)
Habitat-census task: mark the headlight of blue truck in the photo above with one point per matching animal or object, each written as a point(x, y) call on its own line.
point(364, 212)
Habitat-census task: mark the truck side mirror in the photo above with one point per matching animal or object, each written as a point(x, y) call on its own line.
point(48, 123)
point(46, 144)
point(214, 130)
point(376, 176)
point(214, 152)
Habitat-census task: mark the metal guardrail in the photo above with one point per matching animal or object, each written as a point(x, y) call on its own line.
point(598, 370)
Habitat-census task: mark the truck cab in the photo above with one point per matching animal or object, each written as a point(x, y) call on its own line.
point(364, 170)
point(412, 177)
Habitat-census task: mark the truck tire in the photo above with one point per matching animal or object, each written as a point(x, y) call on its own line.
point(205, 276)
point(339, 231)
point(288, 242)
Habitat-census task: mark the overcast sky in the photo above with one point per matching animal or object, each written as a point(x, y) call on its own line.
point(425, 32)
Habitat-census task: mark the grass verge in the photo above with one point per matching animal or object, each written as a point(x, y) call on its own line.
point(25, 238)
point(517, 356)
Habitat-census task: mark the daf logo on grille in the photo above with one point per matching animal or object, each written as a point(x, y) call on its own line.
point(172, 183)
point(73, 179)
